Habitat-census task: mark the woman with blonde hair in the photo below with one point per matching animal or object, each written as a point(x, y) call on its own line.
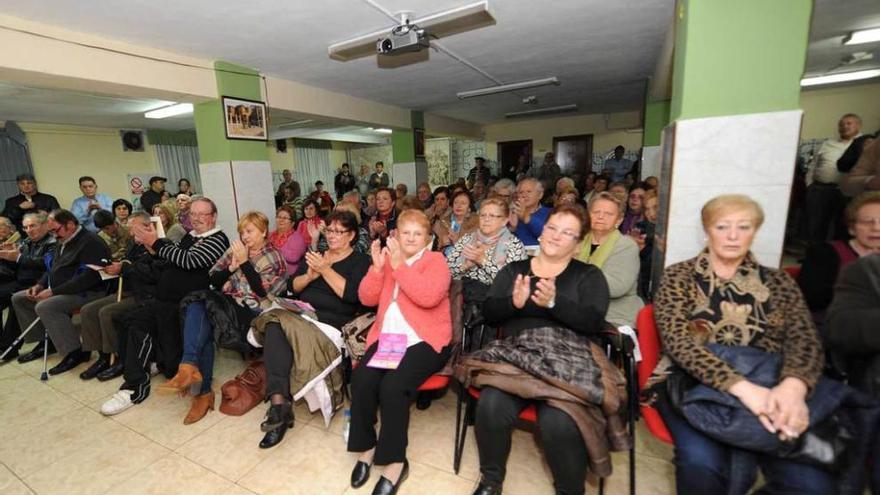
point(173, 230)
point(407, 344)
point(243, 279)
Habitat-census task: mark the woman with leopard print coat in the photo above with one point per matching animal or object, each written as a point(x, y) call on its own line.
point(723, 296)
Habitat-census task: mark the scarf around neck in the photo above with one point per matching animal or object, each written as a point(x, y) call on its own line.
point(498, 243)
point(600, 256)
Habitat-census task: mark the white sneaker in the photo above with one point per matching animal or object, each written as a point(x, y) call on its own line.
point(120, 401)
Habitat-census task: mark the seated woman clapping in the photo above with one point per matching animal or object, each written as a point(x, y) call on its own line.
point(328, 283)
point(551, 305)
point(479, 255)
point(723, 301)
point(407, 344)
point(250, 272)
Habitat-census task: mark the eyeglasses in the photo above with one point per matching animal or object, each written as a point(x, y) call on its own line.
point(335, 232)
point(282, 217)
point(553, 230)
point(868, 222)
point(486, 216)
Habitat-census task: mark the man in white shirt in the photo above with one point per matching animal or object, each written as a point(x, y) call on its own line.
point(619, 165)
point(824, 201)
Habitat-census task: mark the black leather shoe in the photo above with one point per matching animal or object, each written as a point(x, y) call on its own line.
point(279, 419)
point(386, 487)
point(487, 489)
point(113, 371)
point(360, 474)
point(36, 353)
point(101, 364)
point(70, 361)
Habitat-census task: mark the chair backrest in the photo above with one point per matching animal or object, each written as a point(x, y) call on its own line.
point(649, 343)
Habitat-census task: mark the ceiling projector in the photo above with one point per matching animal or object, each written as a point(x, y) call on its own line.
point(405, 38)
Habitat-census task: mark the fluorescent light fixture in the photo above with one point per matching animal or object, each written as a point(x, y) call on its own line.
point(863, 36)
point(440, 24)
point(382, 130)
point(169, 111)
point(294, 124)
point(504, 88)
point(839, 78)
point(542, 111)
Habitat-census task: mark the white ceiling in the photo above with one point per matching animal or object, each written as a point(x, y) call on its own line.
point(834, 19)
point(601, 51)
point(26, 104)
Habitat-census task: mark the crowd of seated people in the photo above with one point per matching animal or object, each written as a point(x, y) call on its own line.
point(549, 264)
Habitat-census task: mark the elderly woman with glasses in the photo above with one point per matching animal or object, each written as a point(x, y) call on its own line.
point(458, 221)
point(617, 255)
point(287, 239)
point(553, 306)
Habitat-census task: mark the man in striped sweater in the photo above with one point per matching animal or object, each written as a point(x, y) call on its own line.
point(154, 326)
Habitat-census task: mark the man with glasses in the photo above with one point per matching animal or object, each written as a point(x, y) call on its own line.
point(29, 264)
point(65, 287)
point(527, 215)
point(154, 326)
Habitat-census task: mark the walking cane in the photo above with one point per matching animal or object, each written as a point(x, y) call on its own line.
point(19, 339)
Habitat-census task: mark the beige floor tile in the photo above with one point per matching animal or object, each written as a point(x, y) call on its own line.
point(10, 370)
point(646, 444)
point(81, 390)
point(10, 484)
point(432, 436)
point(653, 476)
point(175, 474)
point(160, 418)
point(103, 461)
point(230, 447)
point(310, 460)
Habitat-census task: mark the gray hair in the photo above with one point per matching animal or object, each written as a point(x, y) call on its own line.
point(504, 184)
point(40, 217)
point(352, 194)
point(534, 180)
point(607, 196)
point(5, 222)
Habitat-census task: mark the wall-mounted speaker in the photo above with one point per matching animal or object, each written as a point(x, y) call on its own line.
point(132, 140)
point(281, 145)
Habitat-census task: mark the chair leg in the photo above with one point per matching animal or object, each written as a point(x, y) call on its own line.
point(44, 376)
point(460, 429)
point(631, 419)
point(601, 486)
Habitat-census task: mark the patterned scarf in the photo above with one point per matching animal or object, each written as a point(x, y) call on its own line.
point(279, 239)
point(498, 243)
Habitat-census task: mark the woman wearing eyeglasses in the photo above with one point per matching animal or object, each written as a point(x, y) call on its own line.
point(458, 221)
point(825, 261)
point(286, 239)
point(329, 283)
point(550, 305)
point(478, 256)
point(617, 255)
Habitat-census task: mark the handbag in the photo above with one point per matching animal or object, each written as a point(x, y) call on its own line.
point(245, 391)
point(354, 335)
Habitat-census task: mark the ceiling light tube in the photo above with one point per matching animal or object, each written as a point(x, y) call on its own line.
point(382, 130)
point(863, 36)
point(503, 88)
point(541, 111)
point(169, 111)
point(839, 78)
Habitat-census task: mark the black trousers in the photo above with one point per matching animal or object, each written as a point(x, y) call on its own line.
point(11, 329)
point(825, 205)
point(153, 333)
point(278, 356)
point(392, 392)
point(564, 447)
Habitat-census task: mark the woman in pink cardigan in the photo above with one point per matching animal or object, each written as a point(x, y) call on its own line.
point(407, 344)
point(286, 239)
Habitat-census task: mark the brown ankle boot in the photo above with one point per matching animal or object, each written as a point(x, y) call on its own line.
point(201, 404)
point(187, 375)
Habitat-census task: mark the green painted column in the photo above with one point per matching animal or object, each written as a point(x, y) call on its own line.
point(238, 82)
point(235, 173)
point(403, 149)
point(738, 57)
point(656, 118)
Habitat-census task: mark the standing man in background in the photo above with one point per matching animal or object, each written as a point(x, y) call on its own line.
point(379, 178)
point(825, 202)
point(28, 200)
point(153, 196)
point(287, 180)
point(85, 206)
point(619, 165)
point(343, 182)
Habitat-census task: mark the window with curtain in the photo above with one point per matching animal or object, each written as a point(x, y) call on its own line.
point(313, 164)
point(14, 159)
point(178, 155)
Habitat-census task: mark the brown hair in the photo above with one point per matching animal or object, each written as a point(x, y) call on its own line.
point(576, 211)
point(852, 210)
point(289, 210)
point(496, 201)
point(727, 203)
point(342, 206)
point(411, 202)
point(256, 218)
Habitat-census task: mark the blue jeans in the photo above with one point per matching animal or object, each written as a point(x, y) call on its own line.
point(198, 343)
point(703, 465)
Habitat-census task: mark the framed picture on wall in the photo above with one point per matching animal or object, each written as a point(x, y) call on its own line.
point(245, 119)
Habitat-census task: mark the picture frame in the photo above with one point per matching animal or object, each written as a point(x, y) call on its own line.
point(245, 119)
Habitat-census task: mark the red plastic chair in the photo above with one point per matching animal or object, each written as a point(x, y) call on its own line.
point(434, 382)
point(649, 344)
point(793, 270)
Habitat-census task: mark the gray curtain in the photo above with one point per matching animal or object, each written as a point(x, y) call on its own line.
point(178, 155)
point(313, 164)
point(14, 159)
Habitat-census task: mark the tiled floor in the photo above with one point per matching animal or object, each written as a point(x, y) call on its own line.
point(54, 440)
